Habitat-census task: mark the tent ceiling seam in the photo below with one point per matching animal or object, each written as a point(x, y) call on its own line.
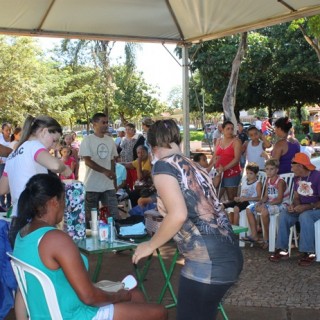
point(46, 14)
point(174, 17)
point(287, 5)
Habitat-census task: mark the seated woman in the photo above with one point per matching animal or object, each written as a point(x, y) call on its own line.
point(39, 244)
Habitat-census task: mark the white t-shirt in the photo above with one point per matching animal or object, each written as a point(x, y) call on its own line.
point(21, 165)
point(258, 124)
point(254, 154)
point(101, 151)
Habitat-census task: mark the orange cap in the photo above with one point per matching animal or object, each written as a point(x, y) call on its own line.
point(303, 159)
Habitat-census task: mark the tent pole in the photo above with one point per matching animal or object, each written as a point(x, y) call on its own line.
point(185, 101)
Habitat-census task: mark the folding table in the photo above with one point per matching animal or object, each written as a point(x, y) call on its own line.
point(92, 245)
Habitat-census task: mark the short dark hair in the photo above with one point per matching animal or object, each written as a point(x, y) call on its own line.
point(197, 156)
point(252, 128)
point(96, 117)
point(252, 166)
point(272, 162)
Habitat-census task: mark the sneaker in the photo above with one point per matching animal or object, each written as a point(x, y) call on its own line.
point(278, 255)
point(307, 259)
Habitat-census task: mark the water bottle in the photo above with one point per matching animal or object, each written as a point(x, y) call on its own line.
point(111, 230)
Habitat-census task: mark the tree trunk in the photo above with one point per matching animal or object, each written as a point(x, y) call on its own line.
point(229, 99)
point(313, 43)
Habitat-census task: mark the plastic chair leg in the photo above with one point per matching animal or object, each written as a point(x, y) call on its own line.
point(272, 232)
point(317, 239)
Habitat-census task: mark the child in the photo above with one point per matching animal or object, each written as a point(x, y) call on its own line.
point(250, 192)
point(275, 199)
point(256, 147)
point(68, 160)
point(68, 141)
point(202, 160)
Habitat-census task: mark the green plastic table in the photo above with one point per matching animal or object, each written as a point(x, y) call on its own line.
point(92, 245)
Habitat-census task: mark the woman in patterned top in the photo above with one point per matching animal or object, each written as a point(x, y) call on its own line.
point(194, 217)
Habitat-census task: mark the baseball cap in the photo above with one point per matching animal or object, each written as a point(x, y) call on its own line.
point(121, 129)
point(303, 159)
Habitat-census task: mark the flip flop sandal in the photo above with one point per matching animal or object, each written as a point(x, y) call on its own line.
point(264, 245)
point(248, 239)
point(307, 260)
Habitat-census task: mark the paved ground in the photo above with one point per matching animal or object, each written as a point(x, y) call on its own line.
point(265, 291)
point(280, 291)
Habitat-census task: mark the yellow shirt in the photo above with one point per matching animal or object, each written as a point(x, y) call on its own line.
point(145, 165)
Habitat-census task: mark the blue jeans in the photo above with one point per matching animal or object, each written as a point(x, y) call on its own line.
point(307, 220)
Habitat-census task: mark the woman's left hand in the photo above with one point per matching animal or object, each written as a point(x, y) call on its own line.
point(143, 250)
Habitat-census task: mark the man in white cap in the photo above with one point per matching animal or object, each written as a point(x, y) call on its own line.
point(121, 133)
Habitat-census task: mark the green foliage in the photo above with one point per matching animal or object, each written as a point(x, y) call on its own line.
point(196, 135)
point(280, 70)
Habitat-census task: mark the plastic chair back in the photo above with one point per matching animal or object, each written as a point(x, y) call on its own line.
point(19, 269)
point(288, 178)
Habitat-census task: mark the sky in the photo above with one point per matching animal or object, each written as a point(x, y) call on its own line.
point(158, 66)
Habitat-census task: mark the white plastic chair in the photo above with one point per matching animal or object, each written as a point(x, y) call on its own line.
point(273, 224)
point(19, 269)
point(317, 239)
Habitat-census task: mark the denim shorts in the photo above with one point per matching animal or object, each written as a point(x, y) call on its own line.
point(231, 182)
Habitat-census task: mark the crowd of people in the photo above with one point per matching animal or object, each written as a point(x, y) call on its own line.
point(38, 158)
point(284, 155)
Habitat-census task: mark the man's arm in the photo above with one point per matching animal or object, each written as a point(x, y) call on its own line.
point(94, 166)
point(4, 151)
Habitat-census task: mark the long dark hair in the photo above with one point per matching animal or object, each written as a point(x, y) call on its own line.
point(164, 132)
point(32, 124)
point(38, 191)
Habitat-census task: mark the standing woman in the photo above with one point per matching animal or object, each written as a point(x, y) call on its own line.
point(285, 148)
point(31, 157)
point(228, 153)
point(5, 140)
point(194, 218)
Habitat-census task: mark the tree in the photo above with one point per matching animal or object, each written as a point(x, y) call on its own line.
point(174, 99)
point(310, 28)
point(27, 81)
point(135, 97)
point(279, 70)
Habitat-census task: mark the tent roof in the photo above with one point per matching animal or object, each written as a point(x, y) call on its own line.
point(147, 20)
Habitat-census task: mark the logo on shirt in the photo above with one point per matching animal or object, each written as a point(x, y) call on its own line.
point(102, 151)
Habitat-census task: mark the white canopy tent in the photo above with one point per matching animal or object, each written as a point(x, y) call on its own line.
point(164, 21)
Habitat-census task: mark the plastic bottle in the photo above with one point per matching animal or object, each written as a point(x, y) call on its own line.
point(111, 230)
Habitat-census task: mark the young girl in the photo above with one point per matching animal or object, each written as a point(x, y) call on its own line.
point(275, 199)
point(68, 141)
point(251, 189)
point(68, 160)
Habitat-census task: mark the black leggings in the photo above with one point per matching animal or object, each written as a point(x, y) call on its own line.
point(199, 301)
